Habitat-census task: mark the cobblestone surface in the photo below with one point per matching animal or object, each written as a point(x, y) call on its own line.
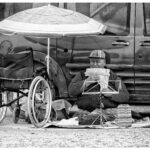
point(25, 135)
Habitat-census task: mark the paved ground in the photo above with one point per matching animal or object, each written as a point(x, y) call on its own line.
point(25, 135)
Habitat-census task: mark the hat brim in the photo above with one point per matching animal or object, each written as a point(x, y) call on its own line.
point(96, 57)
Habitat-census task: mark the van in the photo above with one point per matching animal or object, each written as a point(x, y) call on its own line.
point(127, 40)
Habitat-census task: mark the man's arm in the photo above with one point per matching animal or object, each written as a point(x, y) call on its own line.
point(75, 87)
point(123, 96)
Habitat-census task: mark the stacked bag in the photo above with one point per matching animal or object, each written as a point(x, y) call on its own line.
point(124, 118)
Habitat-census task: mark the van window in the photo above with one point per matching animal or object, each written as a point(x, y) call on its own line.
point(116, 16)
point(146, 8)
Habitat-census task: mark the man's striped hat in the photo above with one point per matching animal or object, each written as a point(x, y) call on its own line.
point(99, 54)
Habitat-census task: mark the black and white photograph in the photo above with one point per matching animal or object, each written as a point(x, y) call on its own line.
point(74, 74)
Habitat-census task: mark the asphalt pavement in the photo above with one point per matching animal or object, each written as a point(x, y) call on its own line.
point(26, 135)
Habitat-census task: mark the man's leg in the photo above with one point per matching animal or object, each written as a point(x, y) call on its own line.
point(91, 102)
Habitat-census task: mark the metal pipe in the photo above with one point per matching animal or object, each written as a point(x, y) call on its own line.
point(48, 54)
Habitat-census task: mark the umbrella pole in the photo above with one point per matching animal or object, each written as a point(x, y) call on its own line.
point(48, 54)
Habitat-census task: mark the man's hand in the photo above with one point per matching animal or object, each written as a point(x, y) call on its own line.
point(90, 80)
point(107, 94)
point(96, 78)
point(87, 82)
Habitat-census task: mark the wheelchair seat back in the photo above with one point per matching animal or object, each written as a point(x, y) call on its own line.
point(16, 66)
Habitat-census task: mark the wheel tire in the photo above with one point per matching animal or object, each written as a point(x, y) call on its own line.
point(39, 91)
point(3, 110)
point(16, 113)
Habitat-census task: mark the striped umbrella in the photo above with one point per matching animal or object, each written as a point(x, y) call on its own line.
point(51, 21)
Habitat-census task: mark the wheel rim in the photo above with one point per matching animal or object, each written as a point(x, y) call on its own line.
point(36, 97)
point(30, 97)
point(3, 110)
point(39, 100)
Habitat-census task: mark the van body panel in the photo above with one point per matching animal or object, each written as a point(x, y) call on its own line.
point(119, 45)
point(142, 57)
point(127, 40)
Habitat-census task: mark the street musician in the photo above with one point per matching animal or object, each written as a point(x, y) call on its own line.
point(82, 82)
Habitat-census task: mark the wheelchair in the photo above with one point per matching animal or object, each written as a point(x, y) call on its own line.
point(19, 74)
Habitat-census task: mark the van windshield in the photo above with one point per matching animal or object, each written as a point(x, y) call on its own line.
point(146, 8)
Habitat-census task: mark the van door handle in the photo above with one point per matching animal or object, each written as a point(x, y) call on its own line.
point(144, 43)
point(120, 42)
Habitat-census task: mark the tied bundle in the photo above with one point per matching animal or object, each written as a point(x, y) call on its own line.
point(101, 75)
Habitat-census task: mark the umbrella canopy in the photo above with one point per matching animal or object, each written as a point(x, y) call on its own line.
point(51, 21)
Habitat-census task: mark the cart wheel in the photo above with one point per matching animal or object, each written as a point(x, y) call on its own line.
point(39, 102)
point(16, 113)
point(3, 110)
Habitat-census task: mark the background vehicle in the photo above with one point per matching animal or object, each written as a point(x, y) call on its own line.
point(127, 40)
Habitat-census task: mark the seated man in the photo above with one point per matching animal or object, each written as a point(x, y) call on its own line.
point(91, 102)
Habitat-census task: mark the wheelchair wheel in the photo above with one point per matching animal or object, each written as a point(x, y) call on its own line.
point(3, 110)
point(39, 102)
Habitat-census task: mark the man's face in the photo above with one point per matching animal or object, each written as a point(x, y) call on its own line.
point(97, 63)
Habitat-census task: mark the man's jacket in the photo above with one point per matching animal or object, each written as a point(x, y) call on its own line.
point(75, 90)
